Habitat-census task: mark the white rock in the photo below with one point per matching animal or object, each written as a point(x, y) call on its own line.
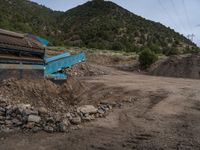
point(42, 111)
point(24, 106)
point(34, 118)
point(68, 115)
point(29, 112)
point(87, 109)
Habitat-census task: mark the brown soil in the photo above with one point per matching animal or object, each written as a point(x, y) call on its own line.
point(165, 116)
point(156, 112)
point(178, 66)
point(60, 95)
point(43, 93)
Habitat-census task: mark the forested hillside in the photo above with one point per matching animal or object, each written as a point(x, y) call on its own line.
point(95, 24)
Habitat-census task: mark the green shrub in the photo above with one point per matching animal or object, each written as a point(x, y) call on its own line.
point(146, 58)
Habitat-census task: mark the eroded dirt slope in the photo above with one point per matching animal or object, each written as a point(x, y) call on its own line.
point(186, 66)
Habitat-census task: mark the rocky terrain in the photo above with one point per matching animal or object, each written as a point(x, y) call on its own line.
point(24, 117)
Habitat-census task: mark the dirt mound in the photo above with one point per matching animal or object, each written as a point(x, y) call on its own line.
point(187, 66)
point(42, 93)
point(86, 69)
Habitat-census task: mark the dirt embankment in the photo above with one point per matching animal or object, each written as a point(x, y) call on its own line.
point(42, 93)
point(187, 66)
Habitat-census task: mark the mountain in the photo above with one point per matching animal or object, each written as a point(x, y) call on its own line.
point(29, 17)
point(95, 24)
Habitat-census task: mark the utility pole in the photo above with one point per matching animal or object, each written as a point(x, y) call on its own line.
point(191, 37)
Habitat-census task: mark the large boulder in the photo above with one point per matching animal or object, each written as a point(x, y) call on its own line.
point(34, 118)
point(87, 109)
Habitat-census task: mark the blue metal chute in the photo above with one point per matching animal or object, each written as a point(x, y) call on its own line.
point(43, 41)
point(27, 52)
point(58, 57)
point(55, 64)
point(57, 76)
point(39, 39)
point(52, 68)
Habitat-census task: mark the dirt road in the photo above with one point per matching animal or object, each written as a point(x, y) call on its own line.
point(166, 115)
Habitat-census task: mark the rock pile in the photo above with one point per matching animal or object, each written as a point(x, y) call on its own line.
point(85, 69)
point(27, 118)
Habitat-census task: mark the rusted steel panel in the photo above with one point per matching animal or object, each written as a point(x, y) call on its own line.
point(11, 57)
point(20, 44)
point(20, 74)
point(21, 67)
point(10, 33)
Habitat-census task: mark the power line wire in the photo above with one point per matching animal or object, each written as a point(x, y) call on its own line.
point(180, 22)
point(178, 15)
point(187, 16)
point(167, 13)
point(192, 35)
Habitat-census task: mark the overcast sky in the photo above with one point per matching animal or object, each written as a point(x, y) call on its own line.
point(181, 15)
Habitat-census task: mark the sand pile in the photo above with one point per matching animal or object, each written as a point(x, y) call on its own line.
point(187, 66)
point(43, 93)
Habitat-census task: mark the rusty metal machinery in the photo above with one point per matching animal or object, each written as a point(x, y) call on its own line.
point(27, 52)
point(15, 48)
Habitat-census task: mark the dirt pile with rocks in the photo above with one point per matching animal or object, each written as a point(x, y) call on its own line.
point(85, 69)
point(43, 93)
point(187, 66)
point(45, 105)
